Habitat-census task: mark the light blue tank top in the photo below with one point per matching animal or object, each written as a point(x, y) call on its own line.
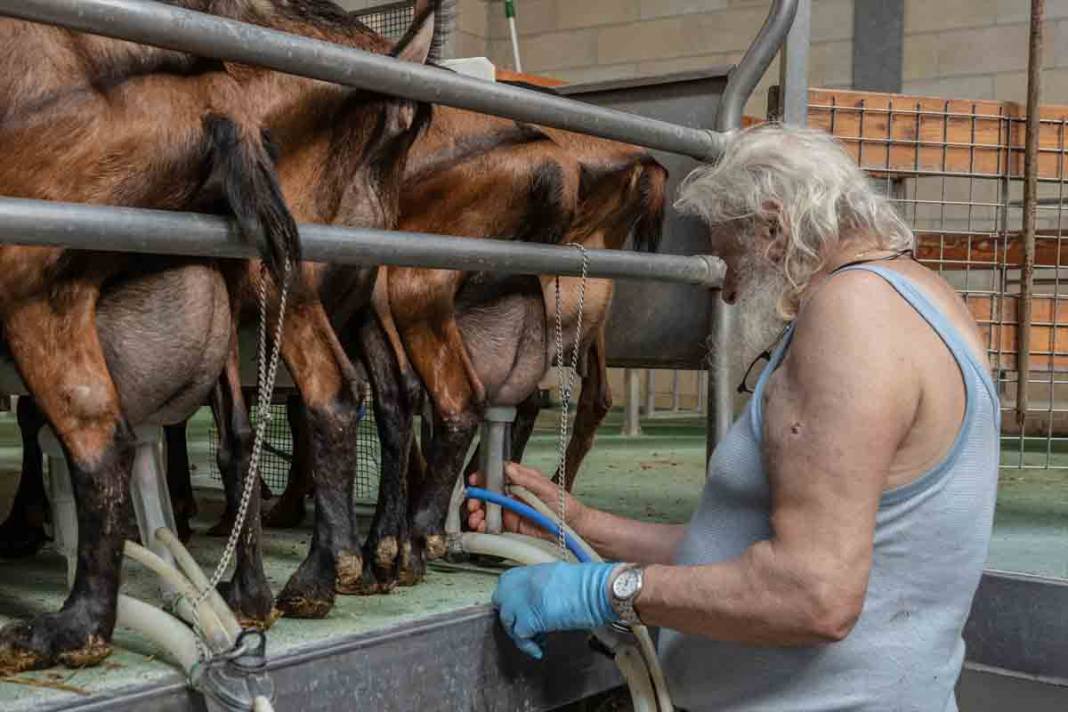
point(931, 536)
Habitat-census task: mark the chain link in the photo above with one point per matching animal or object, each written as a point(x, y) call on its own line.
point(265, 378)
point(566, 377)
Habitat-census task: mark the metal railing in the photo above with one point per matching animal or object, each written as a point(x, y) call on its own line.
point(162, 25)
point(108, 229)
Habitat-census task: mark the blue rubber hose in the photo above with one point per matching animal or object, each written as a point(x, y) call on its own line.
point(530, 514)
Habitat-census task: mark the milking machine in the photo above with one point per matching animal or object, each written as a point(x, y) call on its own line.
point(631, 647)
point(220, 660)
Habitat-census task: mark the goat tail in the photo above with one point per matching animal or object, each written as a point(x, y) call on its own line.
point(243, 174)
point(652, 202)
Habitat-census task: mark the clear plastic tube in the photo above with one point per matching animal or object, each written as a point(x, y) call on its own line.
point(210, 626)
point(192, 570)
point(528, 498)
point(505, 548)
point(163, 629)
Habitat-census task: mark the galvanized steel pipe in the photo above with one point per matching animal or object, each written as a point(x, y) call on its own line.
point(101, 228)
point(197, 33)
point(754, 64)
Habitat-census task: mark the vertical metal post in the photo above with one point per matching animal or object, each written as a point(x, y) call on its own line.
point(632, 394)
point(492, 453)
point(676, 392)
point(1027, 269)
point(740, 87)
point(650, 392)
point(793, 67)
point(702, 391)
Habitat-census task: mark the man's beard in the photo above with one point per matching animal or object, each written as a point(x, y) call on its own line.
point(758, 311)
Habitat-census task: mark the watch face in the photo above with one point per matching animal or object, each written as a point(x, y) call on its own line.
point(626, 584)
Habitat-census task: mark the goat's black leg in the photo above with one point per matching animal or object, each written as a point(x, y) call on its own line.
point(328, 386)
point(22, 533)
point(248, 592)
point(388, 549)
point(179, 482)
point(289, 510)
point(53, 343)
point(452, 439)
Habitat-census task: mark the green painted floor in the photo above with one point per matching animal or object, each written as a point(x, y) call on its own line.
point(657, 477)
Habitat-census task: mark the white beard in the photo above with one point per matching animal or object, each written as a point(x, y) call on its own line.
point(757, 315)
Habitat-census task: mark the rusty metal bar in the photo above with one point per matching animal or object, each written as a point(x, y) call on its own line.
point(1027, 268)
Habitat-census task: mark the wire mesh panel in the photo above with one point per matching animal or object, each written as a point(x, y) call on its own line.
point(954, 169)
point(390, 20)
point(278, 452)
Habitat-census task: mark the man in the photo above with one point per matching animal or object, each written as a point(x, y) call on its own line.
point(832, 559)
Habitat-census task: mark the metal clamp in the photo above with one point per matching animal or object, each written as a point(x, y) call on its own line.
point(234, 679)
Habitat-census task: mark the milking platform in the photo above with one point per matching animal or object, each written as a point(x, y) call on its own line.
point(437, 647)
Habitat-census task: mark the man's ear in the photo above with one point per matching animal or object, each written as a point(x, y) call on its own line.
point(774, 236)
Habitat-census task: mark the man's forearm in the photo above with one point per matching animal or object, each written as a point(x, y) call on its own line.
point(619, 539)
point(760, 598)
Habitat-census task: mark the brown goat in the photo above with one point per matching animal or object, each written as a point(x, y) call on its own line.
point(484, 177)
point(143, 141)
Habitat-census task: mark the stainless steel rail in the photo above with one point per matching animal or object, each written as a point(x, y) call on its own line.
point(162, 25)
point(100, 228)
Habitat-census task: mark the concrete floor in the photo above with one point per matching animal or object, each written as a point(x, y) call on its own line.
point(656, 477)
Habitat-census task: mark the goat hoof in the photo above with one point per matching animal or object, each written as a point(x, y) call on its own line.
point(50, 639)
point(250, 598)
point(380, 567)
point(260, 625)
point(348, 573)
point(287, 513)
point(309, 593)
point(436, 546)
point(302, 607)
point(412, 567)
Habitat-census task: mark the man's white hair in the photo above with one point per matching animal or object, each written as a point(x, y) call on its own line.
point(803, 186)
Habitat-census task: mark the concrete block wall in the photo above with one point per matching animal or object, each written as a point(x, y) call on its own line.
point(589, 40)
point(977, 49)
point(960, 48)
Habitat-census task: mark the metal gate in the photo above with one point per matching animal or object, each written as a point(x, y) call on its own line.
point(955, 170)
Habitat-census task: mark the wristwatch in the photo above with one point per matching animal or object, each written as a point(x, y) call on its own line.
point(623, 589)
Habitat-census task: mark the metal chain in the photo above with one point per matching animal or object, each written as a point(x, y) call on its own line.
point(265, 378)
point(566, 378)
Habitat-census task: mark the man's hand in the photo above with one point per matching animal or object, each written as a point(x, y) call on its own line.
point(534, 600)
point(537, 484)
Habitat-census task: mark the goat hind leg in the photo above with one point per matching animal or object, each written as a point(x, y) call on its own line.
point(325, 378)
point(55, 346)
point(288, 511)
point(388, 548)
point(179, 483)
point(248, 592)
point(595, 400)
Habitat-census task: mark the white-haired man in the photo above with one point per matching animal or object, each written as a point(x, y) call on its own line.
point(832, 559)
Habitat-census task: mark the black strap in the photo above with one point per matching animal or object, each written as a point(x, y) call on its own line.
point(908, 252)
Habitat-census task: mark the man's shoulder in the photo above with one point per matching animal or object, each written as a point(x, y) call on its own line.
point(852, 310)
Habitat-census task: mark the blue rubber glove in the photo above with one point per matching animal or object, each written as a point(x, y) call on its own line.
point(534, 600)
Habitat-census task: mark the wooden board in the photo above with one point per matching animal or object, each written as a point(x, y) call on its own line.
point(902, 135)
point(982, 250)
point(1049, 330)
point(507, 75)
